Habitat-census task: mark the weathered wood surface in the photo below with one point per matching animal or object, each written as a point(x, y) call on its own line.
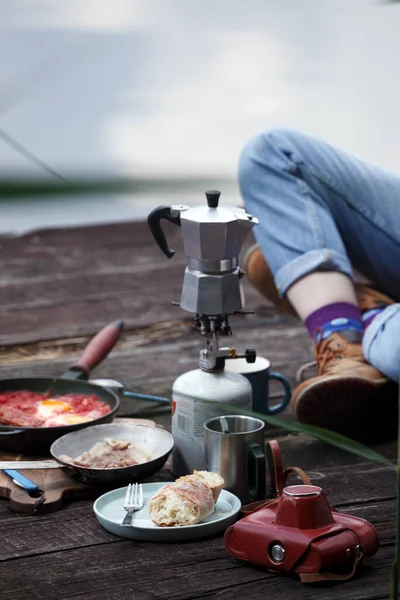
point(60, 283)
point(59, 287)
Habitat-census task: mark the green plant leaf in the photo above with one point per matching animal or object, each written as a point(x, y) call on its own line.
point(394, 575)
point(321, 434)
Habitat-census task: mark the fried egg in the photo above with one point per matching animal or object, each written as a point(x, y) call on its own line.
point(50, 408)
point(56, 412)
point(71, 419)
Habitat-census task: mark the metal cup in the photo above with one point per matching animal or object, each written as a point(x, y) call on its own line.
point(234, 446)
point(259, 374)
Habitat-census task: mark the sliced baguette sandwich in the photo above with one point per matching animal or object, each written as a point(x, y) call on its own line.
point(213, 480)
point(187, 501)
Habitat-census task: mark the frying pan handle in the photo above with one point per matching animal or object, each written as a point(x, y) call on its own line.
point(96, 351)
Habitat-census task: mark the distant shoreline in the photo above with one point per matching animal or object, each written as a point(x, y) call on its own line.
point(23, 214)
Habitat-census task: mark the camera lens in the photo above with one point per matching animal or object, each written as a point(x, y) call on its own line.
point(277, 552)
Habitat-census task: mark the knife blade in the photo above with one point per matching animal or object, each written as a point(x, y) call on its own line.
point(29, 464)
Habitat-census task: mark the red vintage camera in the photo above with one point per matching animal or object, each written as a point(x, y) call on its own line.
point(300, 532)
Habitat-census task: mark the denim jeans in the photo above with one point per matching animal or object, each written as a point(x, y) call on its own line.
point(322, 209)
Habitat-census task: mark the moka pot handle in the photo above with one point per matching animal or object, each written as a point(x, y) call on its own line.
point(153, 221)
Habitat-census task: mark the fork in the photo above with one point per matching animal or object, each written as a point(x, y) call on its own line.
point(133, 502)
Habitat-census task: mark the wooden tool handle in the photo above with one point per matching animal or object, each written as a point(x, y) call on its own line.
point(98, 348)
point(55, 488)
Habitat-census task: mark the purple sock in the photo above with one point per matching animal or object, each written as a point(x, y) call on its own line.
point(340, 316)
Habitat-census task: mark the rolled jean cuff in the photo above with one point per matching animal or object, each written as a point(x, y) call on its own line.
point(314, 260)
point(381, 347)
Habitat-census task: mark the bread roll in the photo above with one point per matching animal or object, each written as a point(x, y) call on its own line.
point(181, 503)
point(213, 480)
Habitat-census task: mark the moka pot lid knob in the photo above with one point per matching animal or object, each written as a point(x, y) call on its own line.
point(213, 198)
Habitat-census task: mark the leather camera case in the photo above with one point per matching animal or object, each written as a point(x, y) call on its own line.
point(300, 532)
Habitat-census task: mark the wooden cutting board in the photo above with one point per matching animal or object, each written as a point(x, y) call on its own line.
point(57, 487)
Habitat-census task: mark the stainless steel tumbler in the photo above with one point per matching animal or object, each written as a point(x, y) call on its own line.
point(234, 446)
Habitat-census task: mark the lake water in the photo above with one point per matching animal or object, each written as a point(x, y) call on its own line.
point(176, 87)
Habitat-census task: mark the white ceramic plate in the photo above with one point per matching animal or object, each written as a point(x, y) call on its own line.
point(109, 510)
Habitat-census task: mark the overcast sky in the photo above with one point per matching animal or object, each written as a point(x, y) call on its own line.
point(178, 86)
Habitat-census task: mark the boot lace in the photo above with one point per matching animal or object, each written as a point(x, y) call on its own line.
point(326, 352)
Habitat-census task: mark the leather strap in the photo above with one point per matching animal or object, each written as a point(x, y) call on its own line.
point(249, 509)
point(274, 458)
point(299, 472)
point(278, 478)
point(314, 577)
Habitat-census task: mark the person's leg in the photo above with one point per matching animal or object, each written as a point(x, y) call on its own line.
point(381, 345)
point(318, 289)
point(322, 211)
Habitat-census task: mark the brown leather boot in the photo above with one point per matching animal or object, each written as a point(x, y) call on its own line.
point(347, 395)
point(259, 275)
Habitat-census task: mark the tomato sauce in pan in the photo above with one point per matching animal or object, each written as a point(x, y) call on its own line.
point(23, 408)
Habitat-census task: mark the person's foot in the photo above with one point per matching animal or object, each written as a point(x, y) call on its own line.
point(347, 395)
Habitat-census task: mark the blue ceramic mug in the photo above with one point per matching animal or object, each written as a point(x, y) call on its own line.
point(259, 374)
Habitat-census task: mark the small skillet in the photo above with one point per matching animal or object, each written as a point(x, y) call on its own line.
point(37, 440)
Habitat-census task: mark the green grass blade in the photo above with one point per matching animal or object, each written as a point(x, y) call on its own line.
point(394, 575)
point(321, 434)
